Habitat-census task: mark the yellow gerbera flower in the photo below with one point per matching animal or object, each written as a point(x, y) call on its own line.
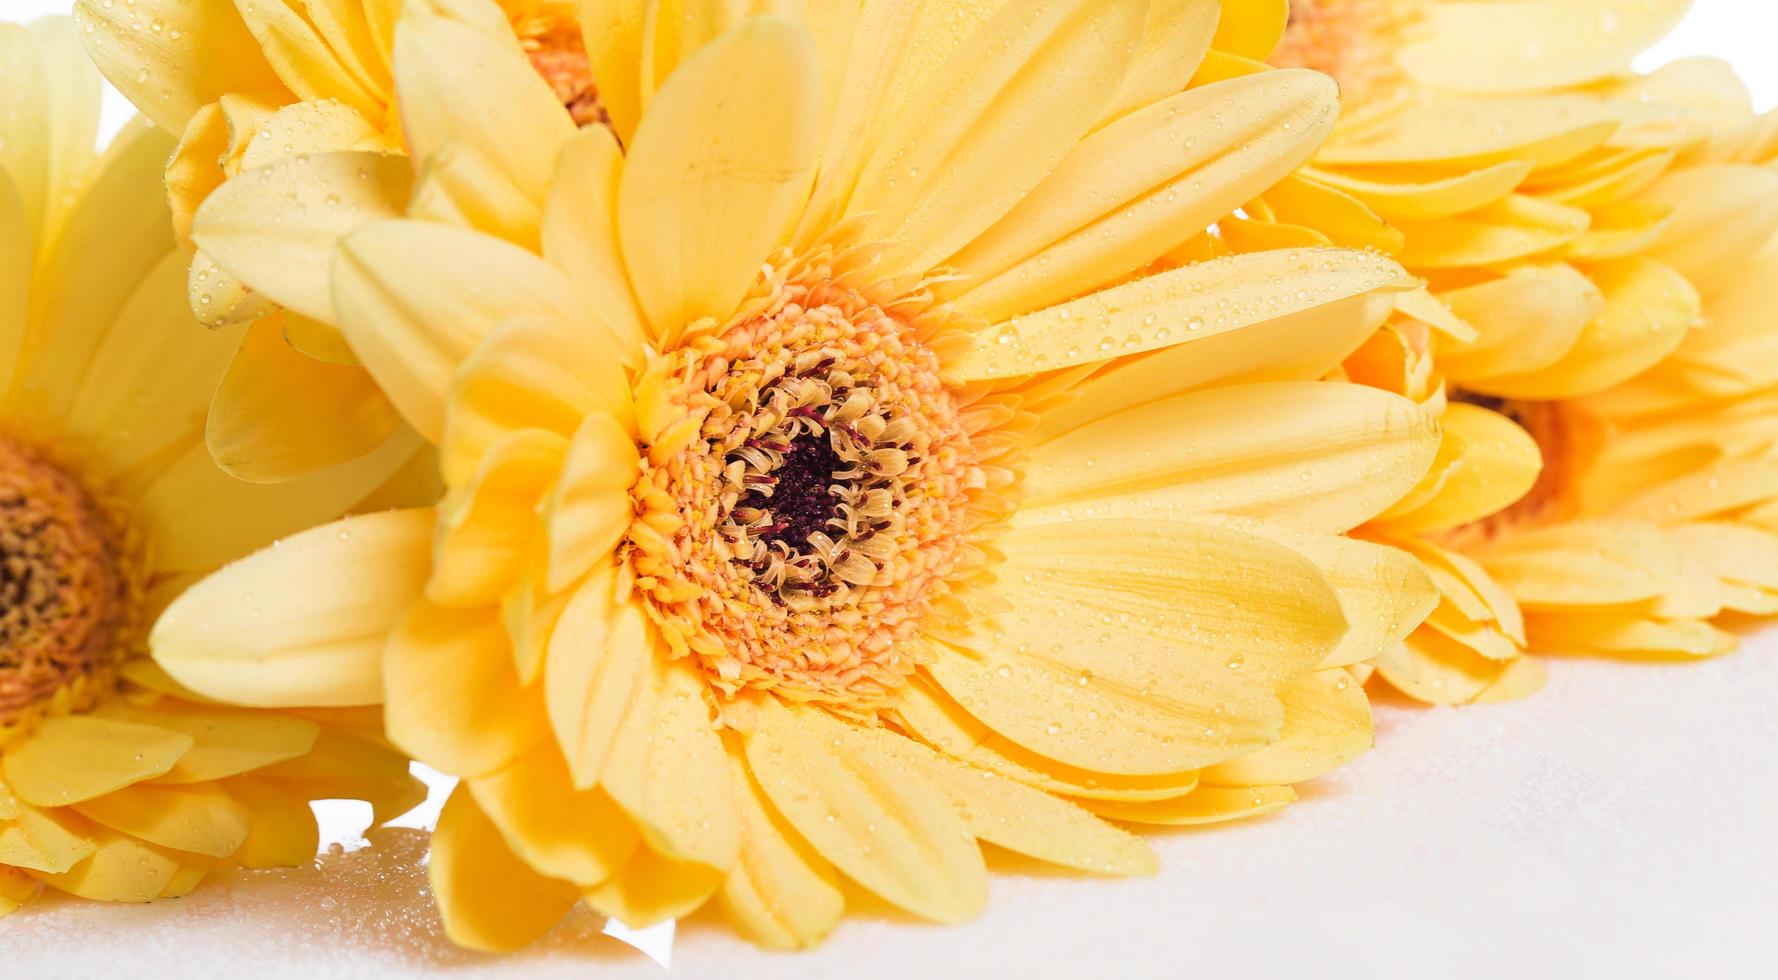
point(115, 783)
point(846, 477)
point(1575, 222)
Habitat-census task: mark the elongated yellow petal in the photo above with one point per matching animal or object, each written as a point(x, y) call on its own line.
point(1021, 819)
point(580, 229)
point(414, 299)
point(1159, 175)
point(455, 702)
point(244, 635)
point(1178, 307)
point(1721, 215)
point(283, 834)
point(716, 176)
point(1327, 723)
point(1583, 564)
point(1496, 463)
point(320, 198)
point(199, 819)
point(488, 897)
point(120, 869)
point(1204, 805)
point(891, 830)
point(666, 770)
point(1525, 320)
point(36, 841)
point(1322, 456)
point(508, 115)
point(1165, 671)
point(599, 655)
point(1516, 228)
point(1617, 634)
point(1038, 75)
point(1649, 309)
point(278, 413)
point(1430, 198)
point(575, 835)
point(652, 889)
point(1455, 134)
point(590, 508)
point(74, 758)
point(226, 742)
point(160, 70)
point(1175, 38)
point(1523, 46)
point(781, 894)
point(485, 529)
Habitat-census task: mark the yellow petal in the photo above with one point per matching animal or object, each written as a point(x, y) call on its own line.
point(1322, 456)
point(878, 820)
point(1166, 671)
point(531, 372)
point(199, 819)
point(488, 898)
point(1034, 78)
point(1582, 564)
point(1625, 635)
point(1496, 463)
point(160, 70)
point(196, 517)
point(1137, 189)
point(454, 701)
point(1458, 134)
point(319, 198)
point(1175, 38)
point(226, 742)
point(34, 840)
point(580, 229)
point(1204, 805)
point(1649, 310)
point(279, 414)
point(575, 835)
point(120, 869)
point(1721, 215)
point(716, 176)
point(74, 758)
point(461, 85)
point(485, 528)
point(1431, 197)
point(780, 894)
point(666, 769)
point(599, 654)
point(1327, 723)
point(414, 299)
point(284, 833)
point(1525, 320)
point(590, 508)
point(16, 888)
point(135, 402)
point(1251, 28)
point(933, 717)
point(1514, 229)
point(1497, 46)
point(1523, 677)
point(1437, 669)
point(245, 635)
point(1021, 819)
point(652, 889)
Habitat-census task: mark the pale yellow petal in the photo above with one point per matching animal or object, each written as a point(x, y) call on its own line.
point(73, 758)
point(590, 508)
point(575, 835)
point(1515, 45)
point(598, 657)
point(717, 174)
point(161, 71)
point(486, 527)
point(414, 299)
point(1204, 805)
point(881, 822)
point(580, 229)
point(1721, 215)
point(284, 833)
point(199, 819)
point(781, 894)
point(1327, 723)
point(1175, 38)
point(652, 889)
point(1032, 77)
point(1322, 456)
point(1496, 462)
point(454, 700)
point(226, 742)
point(487, 896)
point(250, 634)
point(1583, 563)
point(120, 869)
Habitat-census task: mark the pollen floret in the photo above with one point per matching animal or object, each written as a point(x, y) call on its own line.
point(833, 487)
point(66, 590)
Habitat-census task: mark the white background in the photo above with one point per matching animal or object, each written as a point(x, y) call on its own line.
point(1622, 823)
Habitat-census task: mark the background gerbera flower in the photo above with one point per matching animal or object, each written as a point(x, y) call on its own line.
point(116, 783)
point(841, 481)
point(1577, 223)
point(243, 85)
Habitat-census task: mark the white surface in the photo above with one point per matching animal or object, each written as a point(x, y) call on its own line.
point(1624, 822)
point(1621, 824)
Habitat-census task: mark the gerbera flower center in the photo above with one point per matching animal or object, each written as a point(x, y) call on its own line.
point(813, 519)
point(549, 31)
point(1353, 40)
point(66, 589)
